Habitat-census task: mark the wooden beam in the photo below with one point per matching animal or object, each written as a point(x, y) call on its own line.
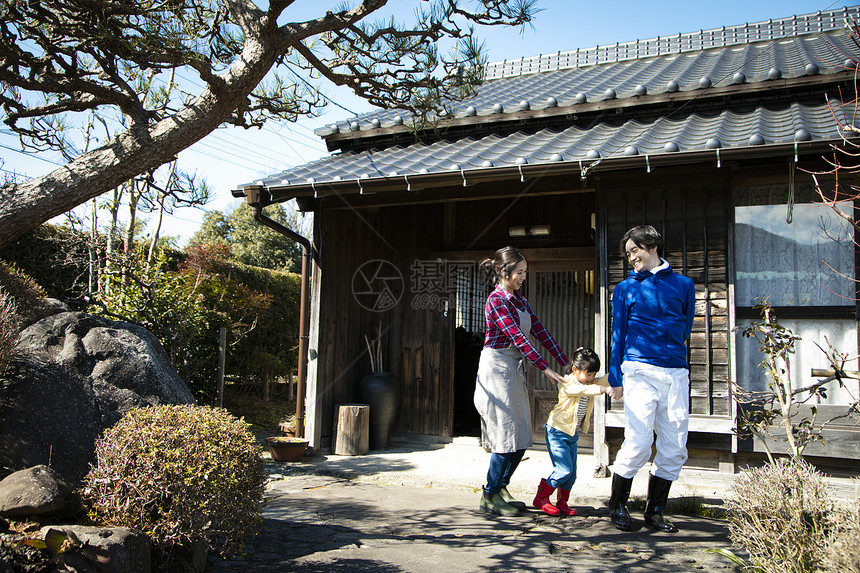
point(557, 254)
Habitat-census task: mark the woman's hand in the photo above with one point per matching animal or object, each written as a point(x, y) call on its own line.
point(554, 376)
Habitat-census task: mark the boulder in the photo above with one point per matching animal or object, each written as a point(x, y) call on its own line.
point(45, 308)
point(72, 376)
point(33, 491)
point(127, 549)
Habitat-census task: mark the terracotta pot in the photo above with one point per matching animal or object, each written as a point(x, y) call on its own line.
point(286, 451)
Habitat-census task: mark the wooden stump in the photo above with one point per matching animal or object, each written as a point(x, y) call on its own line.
point(352, 437)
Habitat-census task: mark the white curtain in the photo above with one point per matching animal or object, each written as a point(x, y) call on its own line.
point(797, 256)
point(805, 263)
point(842, 334)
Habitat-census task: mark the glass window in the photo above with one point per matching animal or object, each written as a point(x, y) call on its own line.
point(804, 257)
point(842, 334)
point(799, 254)
point(473, 288)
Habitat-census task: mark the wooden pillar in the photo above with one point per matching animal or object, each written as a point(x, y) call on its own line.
point(600, 449)
point(352, 436)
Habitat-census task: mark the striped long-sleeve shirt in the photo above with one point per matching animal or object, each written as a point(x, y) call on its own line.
point(503, 328)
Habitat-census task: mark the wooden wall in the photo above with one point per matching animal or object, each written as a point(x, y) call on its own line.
point(690, 206)
point(691, 212)
point(417, 341)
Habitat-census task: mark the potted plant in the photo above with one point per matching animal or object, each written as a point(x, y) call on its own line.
point(381, 391)
point(287, 448)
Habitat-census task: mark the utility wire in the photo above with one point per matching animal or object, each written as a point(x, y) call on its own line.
point(15, 173)
point(204, 144)
point(31, 155)
point(266, 127)
point(315, 144)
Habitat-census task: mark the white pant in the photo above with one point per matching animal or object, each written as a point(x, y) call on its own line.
point(655, 399)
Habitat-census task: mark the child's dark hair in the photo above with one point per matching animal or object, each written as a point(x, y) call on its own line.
point(585, 359)
point(503, 263)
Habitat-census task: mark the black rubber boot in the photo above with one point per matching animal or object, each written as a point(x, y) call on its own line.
point(658, 495)
point(618, 513)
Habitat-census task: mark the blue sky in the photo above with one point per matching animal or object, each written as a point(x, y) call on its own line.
point(230, 157)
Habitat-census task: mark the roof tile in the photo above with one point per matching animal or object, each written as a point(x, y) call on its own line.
point(727, 126)
point(729, 129)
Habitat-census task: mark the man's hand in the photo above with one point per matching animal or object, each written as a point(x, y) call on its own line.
point(615, 392)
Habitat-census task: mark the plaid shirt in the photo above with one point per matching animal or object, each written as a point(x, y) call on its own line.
point(503, 327)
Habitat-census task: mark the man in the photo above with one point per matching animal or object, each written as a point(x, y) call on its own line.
point(652, 317)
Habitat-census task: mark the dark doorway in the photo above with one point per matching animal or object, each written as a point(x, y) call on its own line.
point(467, 352)
point(470, 298)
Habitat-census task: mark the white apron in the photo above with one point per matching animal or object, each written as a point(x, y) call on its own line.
point(502, 397)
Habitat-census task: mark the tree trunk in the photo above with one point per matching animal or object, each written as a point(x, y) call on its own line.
point(162, 198)
point(128, 246)
point(94, 235)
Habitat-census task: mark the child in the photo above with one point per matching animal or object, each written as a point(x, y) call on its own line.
point(573, 411)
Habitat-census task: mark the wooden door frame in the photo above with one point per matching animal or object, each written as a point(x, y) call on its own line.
point(549, 265)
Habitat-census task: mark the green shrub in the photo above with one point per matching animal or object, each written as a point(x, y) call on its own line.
point(8, 328)
point(269, 351)
point(58, 259)
point(780, 514)
point(184, 475)
point(28, 296)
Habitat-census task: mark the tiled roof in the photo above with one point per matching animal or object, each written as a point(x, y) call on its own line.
point(747, 33)
point(660, 121)
point(786, 56)
point(727, 130)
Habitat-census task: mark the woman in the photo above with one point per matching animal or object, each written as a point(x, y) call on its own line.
point(501, 395)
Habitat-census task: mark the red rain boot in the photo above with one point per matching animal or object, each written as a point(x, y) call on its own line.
point(541, 500)
point(561, 503)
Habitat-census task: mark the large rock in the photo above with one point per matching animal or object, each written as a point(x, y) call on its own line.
point(33, 491)
point(128, 550)
point(74, 375)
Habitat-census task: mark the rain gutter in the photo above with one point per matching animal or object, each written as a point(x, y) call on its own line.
point(254, 197)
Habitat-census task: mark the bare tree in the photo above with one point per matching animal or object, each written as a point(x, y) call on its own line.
point(61, 57)
point(181, 189)
point(844, 161)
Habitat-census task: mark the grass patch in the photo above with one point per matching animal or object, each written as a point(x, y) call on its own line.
point(636, 503)
point(695, 505)
point(683, 505)
point(262, 416)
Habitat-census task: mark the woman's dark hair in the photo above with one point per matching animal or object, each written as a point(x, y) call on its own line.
point(503, 263)
point(585, 359)
point(643, 236)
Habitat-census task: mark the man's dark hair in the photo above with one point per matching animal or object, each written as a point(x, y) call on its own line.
point(643, 236)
